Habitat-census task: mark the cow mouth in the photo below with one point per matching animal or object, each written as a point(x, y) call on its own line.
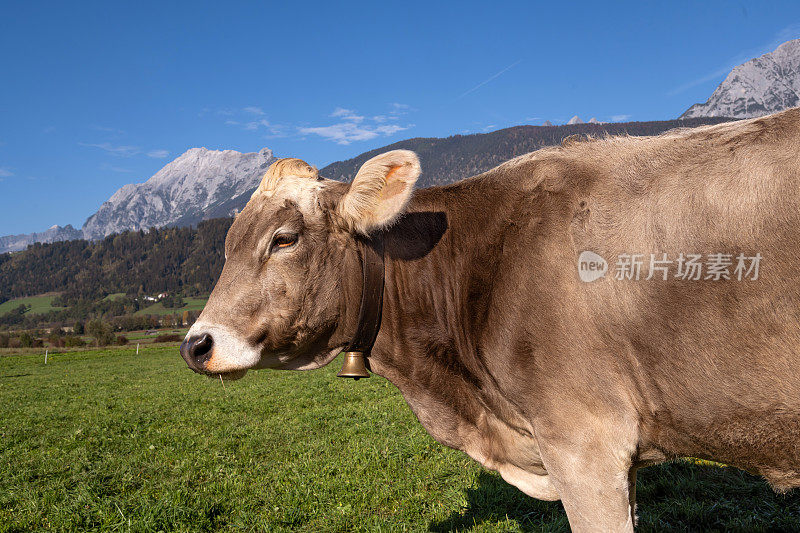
point(227, 376)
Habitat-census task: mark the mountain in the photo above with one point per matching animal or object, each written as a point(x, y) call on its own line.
point(199, 184)
point(575, 120)
point(54, 234)
point(758, 87)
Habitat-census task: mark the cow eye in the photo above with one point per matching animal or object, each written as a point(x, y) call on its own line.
point(284, 240)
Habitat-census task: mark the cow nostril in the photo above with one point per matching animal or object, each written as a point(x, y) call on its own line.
point(197, 350)
point(202, 346)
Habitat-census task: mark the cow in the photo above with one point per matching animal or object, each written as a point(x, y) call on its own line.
point(566, 318)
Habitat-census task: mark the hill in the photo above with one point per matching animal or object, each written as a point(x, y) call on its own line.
point(445, 160)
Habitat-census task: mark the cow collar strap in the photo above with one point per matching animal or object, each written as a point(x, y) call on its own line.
point(369, 314)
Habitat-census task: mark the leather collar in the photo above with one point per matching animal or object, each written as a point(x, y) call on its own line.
point(369, 314)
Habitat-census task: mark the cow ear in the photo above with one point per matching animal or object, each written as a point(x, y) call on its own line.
point(379, 192)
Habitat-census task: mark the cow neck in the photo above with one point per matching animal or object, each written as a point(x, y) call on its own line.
point(370, 309)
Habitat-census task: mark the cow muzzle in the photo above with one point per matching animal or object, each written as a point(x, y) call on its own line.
point(196, 351)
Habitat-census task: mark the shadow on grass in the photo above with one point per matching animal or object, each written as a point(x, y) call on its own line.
point(493, 500)
point(677, 496)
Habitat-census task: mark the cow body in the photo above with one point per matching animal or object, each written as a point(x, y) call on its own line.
point(566, 387)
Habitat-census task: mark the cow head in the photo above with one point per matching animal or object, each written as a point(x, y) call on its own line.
point(277, 303)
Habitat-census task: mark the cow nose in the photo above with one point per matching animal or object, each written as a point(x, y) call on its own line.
point(197, 350)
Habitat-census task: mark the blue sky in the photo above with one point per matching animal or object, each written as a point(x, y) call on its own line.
point(94, 95)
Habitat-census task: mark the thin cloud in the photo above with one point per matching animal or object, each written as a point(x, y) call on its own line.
point(619, 118)
point(400, 109)
point(273, 130)
point(346, 114)
point(127, 151)
point(5, 173)
point(786, 34)
point(119, 151)
point(348, 132)
point(49, 129)
point(396, 110)
point(354, 127)
point(490, 78)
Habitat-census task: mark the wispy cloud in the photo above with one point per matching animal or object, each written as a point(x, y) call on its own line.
point(49, 129)
point(158, 154)
point(274, 130)
point(5, 173)
point(354, 127)
point(490, 78)
point(396, 110)
point(127, 150)
point(789, 32)
point(118, 150)
point(349, 125)
point(347, 132)
point(619, 118)
point(346, 114)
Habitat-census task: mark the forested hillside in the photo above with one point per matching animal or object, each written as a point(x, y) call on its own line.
point(176, 260)
point(449, 159)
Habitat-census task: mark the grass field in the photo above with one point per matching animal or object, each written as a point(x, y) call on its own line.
point(107, 440)
point(39, 304)
point(191, 304)
point(114, 296)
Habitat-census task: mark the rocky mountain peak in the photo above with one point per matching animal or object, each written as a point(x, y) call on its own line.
point(195, 182)
point(758, 87)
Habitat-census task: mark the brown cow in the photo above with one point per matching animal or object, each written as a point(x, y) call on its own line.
point(525, 320)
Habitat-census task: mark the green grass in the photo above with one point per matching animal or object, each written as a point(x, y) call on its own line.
point(142, 335)
point(107, 440)
point(191, 304)
point(39, 304)
point(114, 296)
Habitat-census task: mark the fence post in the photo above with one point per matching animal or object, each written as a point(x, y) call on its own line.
point(137, 348)
point(45, 356)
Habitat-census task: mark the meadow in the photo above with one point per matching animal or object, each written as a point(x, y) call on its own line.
point(108, 440)
point(190, 304)
point(40, 304)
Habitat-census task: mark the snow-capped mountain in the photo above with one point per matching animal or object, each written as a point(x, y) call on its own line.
point(198, 185)
point(11, 243)
point(758, 87)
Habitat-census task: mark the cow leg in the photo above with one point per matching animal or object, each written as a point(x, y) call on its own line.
point(594, 481)
point(632, 494)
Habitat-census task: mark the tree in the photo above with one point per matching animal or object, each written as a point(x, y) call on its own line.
point(25, 340)
point(78, 328)
point(95, 328)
